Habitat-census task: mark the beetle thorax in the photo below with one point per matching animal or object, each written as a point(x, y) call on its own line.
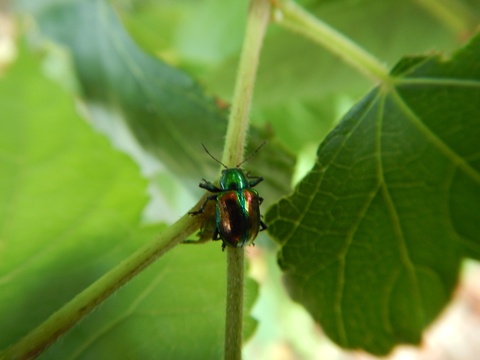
point(234, 179)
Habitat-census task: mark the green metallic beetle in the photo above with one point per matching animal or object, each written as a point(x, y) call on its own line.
point(237, 210)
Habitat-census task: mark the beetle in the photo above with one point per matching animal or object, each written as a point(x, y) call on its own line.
point(237, 205)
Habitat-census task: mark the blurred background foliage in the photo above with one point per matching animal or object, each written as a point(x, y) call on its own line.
point(156, 78)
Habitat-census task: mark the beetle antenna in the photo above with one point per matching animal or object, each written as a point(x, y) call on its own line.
point(213, 157)
point(252, 154)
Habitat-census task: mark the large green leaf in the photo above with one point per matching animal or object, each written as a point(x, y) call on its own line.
point(373, 237)
point(167, 112)
point(70, 209)
point(297, 80)
point(177, 301)
point(160, 104)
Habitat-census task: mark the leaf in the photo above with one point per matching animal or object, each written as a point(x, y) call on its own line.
point(159, 104)
point(373, 237)
point(177, 301)
point(66, 197)
point(165, 109)
point(296, 76)
point(70, 209)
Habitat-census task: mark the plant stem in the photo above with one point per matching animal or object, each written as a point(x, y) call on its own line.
point(293, 17)
point(235, 293)
point(61, 321)
point(257, 21)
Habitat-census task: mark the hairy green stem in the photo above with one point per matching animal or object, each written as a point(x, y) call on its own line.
point(257, 21)
point(235, 293)
point(293, 17)
point(61, 321)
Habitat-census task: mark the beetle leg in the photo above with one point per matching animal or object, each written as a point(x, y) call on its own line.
point(263, 226)
point(260, 200)
point(247, 174)
point(216, 235)
point(195, 242)
point(257, 179)
point(202, 208)
point(207, 185)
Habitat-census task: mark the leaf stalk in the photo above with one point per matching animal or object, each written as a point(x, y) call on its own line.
point(293, 17)
point(40, 338)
